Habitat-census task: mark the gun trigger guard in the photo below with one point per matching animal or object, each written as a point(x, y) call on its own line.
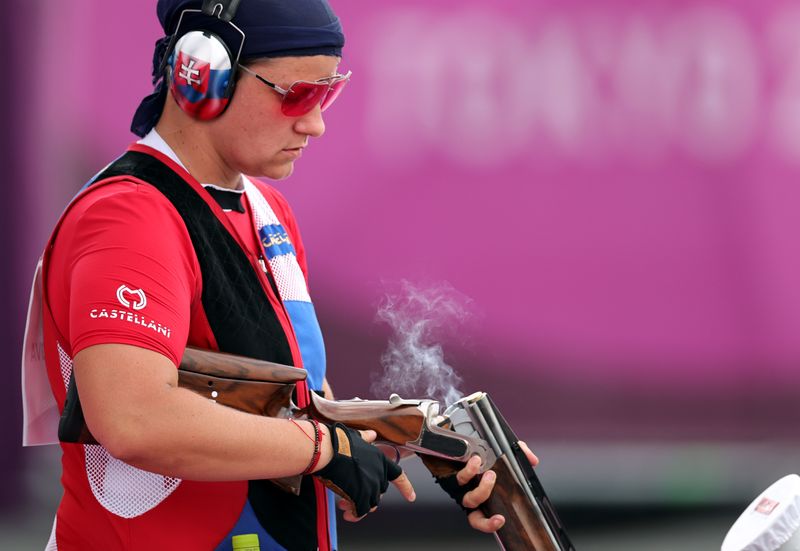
point(393, 446)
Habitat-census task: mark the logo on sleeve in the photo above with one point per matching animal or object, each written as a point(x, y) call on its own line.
point(130, 298)
point(132, 301)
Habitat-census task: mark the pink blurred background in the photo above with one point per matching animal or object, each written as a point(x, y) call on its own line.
point(613, 184)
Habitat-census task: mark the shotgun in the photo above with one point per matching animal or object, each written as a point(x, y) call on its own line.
point(443, 441)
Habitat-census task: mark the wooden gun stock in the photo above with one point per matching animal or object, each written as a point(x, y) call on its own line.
point(249, 385)
point(246, 384)
point(396, 424)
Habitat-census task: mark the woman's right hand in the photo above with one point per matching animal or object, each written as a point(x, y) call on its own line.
point(359, 471)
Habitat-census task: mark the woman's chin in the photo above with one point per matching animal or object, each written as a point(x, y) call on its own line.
point(278, 172)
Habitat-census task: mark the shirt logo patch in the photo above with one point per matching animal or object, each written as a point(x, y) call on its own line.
point(275, 240)
point(131, 298)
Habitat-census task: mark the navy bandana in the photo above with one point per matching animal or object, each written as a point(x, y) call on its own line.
point(273, 28)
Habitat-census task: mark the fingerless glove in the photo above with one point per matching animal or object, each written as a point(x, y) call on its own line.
point(358, 471)
point(450, 485)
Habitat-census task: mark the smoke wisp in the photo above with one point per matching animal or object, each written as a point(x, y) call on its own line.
point(413, 363)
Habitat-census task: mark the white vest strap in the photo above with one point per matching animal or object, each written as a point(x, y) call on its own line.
point(39, 409)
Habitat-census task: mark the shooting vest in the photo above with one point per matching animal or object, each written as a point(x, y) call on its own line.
point(236, 286)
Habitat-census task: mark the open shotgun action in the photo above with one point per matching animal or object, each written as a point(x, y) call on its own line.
point(443, 440)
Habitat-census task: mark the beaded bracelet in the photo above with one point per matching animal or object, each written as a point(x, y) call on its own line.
point(317, 448)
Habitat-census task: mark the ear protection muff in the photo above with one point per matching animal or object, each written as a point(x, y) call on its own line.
point(200, 74)
point(199, 66)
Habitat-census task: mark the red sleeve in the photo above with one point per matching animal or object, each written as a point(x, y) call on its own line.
point(131, 272)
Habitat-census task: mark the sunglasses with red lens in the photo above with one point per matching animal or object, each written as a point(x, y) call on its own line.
point(302, 96)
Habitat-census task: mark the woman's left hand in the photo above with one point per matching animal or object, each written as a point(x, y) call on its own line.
point(477, 496)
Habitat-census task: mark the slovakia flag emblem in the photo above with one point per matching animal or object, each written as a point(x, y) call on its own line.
point(191, 73)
